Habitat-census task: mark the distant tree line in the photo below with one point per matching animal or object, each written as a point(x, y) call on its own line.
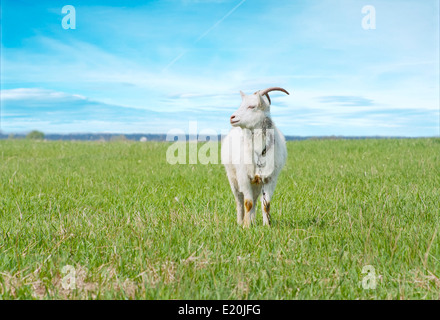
point(38, 135)
point(35, 135)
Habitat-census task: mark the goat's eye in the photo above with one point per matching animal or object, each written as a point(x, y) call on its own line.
point(251, 107)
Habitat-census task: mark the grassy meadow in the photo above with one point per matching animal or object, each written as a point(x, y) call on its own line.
point(133, 226)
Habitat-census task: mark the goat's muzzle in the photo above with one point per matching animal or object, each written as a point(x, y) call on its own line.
point(233, 120)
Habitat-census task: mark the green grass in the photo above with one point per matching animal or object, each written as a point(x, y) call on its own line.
point(135, 227)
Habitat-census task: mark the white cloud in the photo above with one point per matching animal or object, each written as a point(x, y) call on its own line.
point(35, 94)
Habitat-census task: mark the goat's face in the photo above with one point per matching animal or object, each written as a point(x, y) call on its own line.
point(253, 109)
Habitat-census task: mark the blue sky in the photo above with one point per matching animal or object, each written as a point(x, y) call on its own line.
point(153, 66)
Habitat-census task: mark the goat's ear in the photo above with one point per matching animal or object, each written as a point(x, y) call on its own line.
point(261, 101)
point(242, 94)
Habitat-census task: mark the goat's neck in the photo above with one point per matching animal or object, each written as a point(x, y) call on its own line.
point(265, 124)
point(266, 131)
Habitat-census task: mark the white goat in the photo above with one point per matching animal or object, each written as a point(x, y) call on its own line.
point(253, 153)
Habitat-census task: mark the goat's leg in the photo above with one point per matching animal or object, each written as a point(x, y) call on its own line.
point(240, 205)
point(244, 182)
point(249, 206)
point(232, 177)
point(266, 197)
point(256, 190)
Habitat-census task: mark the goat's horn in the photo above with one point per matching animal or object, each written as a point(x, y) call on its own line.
point(268, 98)
point(266, 91)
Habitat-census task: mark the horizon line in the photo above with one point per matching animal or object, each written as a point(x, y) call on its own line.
point(6, 135)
